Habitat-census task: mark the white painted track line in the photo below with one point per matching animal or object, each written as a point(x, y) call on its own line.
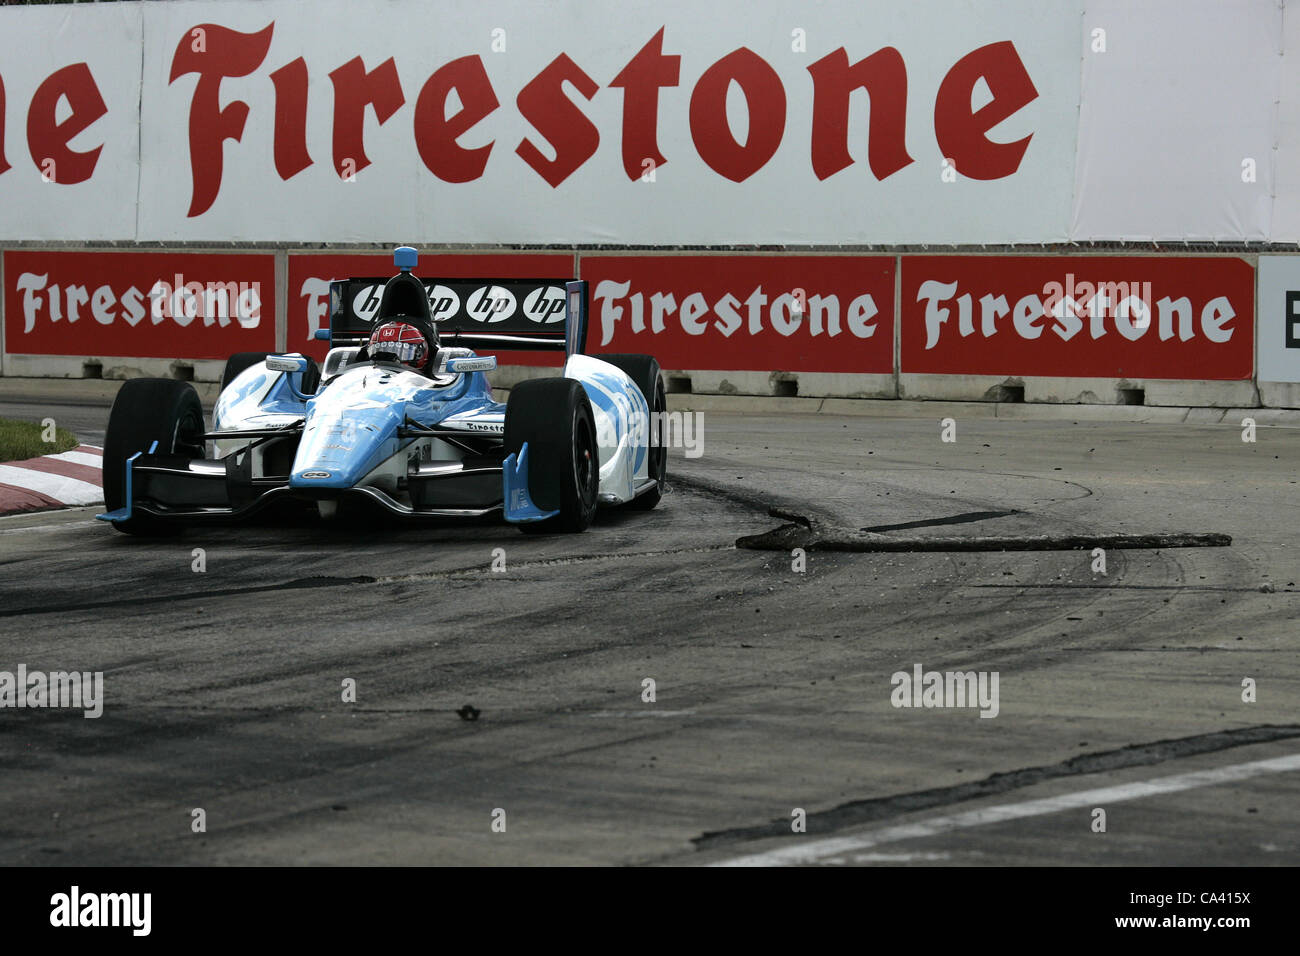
point(819, 850)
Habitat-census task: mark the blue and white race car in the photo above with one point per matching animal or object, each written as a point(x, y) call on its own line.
point(401, 417)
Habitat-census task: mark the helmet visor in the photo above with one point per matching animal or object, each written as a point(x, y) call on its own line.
point(406, 352)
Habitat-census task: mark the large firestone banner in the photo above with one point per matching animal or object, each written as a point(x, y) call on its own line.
point(646, 122)
point(650, 122)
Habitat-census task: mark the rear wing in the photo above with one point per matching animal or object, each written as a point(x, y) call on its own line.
point(495, 314)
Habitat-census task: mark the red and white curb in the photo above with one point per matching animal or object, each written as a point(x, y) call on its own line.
point(70, 479)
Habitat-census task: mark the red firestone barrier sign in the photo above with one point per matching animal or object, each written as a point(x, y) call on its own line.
point(141, 304)
point(1142, 317)
point(782, 313)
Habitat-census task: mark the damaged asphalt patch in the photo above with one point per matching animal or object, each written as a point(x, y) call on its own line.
point(811, 535)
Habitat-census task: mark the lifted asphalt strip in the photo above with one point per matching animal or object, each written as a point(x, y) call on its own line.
point(816, 538)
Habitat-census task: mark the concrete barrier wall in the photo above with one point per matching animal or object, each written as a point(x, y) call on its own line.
point(719, 315)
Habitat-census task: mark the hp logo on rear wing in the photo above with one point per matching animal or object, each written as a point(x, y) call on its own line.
point(507, 314)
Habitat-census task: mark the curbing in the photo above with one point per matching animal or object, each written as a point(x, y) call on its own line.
point(69, 479)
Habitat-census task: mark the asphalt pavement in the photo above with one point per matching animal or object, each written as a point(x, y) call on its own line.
point(501, 711)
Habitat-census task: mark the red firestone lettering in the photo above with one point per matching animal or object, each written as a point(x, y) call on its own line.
point(291, 156)
point(641, 80)
point(961, 134)
point(563, 129)
point(354, 90)
point(884, 76)
point(225, 53)
point(48, 139)
point(436, 133)
point(3, 165)
point(543, 103)
point(765, 100)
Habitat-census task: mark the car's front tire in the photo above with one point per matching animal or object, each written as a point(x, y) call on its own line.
point(148, 410)
point(554, 417)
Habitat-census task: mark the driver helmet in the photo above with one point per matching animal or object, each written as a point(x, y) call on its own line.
point(400, 342)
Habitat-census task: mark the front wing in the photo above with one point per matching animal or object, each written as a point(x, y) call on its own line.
point(184, 489)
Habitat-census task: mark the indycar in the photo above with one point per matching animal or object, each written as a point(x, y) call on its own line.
point(367, 429)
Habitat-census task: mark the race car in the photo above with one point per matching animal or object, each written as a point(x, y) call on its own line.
point(401, 417)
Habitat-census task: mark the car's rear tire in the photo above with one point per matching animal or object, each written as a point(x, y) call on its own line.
point(240, 361)
point(554, 417)
point(148, 410)
point(644, 370)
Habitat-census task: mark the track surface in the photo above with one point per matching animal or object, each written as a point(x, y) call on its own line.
point(223, 688)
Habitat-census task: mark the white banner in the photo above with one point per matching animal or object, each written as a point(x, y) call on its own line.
point(654, 122)
point(69, 113)
point(1286, 189)
point(1176, 126)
